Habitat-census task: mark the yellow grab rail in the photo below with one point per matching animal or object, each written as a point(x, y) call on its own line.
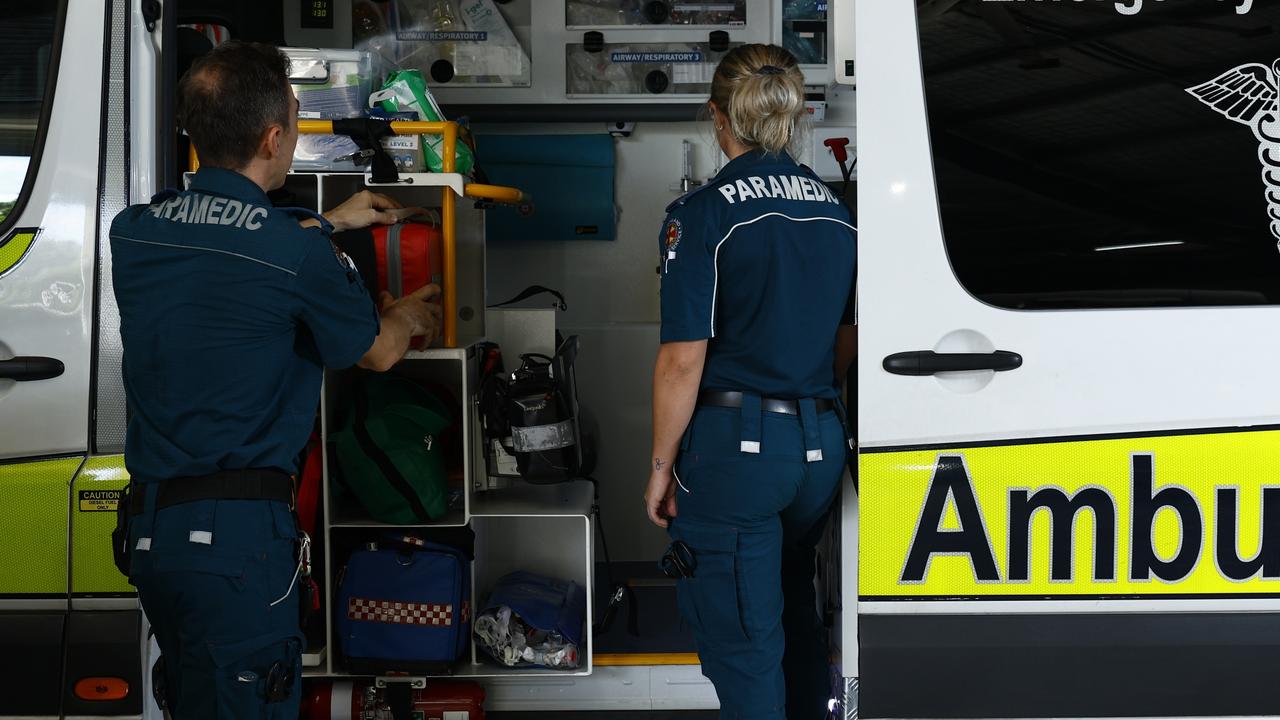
point(497, 193)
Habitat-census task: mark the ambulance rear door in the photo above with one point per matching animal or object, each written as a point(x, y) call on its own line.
point(1069, 401)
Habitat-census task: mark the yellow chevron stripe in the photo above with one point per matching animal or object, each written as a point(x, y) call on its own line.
point(15, 248)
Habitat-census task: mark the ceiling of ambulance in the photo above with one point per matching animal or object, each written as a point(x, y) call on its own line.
point(1064, 131)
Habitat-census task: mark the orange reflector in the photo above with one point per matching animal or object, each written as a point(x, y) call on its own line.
point(102, 689)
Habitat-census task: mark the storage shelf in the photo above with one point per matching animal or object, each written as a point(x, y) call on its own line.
point(443, 353)
point(454, 181)
point(522, 499)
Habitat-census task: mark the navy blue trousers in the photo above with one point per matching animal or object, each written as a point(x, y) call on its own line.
point(208, 573)
point(752, 521)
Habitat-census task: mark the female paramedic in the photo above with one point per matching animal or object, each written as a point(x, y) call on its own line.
point(749, 445)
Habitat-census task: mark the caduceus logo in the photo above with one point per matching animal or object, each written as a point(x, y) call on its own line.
point(1248, 95)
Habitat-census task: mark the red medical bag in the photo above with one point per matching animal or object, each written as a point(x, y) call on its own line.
point(410, 255)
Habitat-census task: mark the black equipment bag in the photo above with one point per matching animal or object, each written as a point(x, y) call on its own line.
point(533, 413)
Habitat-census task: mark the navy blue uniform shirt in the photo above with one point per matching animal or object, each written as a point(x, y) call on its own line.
point(229, 311)
point(760, 261)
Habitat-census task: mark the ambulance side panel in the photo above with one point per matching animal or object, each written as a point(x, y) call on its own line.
point(1085, 529)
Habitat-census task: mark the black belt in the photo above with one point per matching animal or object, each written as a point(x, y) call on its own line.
point(733, 399)
point(251, 484)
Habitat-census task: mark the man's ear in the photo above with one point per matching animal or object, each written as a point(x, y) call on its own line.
point(269, 148)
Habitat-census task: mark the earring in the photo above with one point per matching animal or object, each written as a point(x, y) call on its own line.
point(719, 128)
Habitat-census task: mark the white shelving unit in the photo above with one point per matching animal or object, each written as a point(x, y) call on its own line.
point(542, 529)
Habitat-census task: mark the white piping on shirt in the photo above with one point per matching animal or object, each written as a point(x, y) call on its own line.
point(206, 249)
point(715, 289)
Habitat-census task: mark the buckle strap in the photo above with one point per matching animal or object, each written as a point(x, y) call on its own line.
point(733, 399)
point(248, 484)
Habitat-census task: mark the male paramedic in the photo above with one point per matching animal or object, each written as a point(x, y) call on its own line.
point(230, 310)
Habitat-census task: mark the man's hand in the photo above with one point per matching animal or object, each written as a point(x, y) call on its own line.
point(368, 208)
point(411, 316)
point(423, 316)
point(660, 496)
point(416, 308)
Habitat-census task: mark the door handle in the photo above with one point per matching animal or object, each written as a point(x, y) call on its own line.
point(927, 362)
point(26, 369)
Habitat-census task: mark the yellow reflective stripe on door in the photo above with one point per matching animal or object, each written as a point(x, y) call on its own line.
point(33, 514)
point(1188, 515)
point(94, 498)
point(15, 247)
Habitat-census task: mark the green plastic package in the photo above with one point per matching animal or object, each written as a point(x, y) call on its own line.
point(406, 90)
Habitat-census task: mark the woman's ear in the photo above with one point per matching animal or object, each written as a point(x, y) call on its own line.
point(717, 117)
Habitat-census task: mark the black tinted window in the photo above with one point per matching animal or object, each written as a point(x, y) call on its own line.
point(1088, 158)
point(26, 49)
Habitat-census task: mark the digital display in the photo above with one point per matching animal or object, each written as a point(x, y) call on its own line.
point(317, 14)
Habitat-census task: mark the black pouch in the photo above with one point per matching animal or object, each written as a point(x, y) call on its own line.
point(308, 600)
point(120, 535)
point(160, 685)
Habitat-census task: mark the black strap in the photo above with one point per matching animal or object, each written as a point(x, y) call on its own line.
point(531, 291)
point(247, 484)
point(733, 399)
point(380, 458)
point(368, 134)
point(618, 593)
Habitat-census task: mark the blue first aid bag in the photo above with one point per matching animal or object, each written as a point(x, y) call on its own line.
point(530, 619)
point(548, 604)
point(404, 606)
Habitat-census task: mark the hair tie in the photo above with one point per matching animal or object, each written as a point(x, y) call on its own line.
point(770, 70)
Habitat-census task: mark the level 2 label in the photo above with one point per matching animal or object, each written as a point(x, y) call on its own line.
point(99, 500)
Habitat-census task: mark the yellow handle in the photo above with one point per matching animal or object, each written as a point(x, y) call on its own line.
point(497, 193)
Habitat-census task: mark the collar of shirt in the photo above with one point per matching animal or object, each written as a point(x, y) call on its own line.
point(230, 184)
point(751, 159)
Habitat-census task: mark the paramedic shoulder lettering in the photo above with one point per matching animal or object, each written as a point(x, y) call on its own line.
point(1248, 95)
point(210, 210)
point(776, 187)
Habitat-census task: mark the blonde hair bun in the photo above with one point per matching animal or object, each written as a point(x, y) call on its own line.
point(761, 90)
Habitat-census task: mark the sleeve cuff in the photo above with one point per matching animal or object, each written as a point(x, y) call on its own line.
point(684, 334)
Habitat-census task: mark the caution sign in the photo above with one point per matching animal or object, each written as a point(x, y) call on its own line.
point(99, 500)
point(1184, 515)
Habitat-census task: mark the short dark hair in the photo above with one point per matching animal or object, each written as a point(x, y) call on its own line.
point(229, 97)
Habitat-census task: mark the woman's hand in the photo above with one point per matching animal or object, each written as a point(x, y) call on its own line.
point(660, 496)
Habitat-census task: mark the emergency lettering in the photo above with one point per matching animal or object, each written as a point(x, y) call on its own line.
point(777, 187)
point(196, 209)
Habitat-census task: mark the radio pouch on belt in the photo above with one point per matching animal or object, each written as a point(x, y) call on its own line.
point(120, 535)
